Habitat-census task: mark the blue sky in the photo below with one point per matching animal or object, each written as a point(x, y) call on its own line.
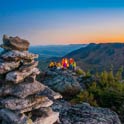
point(63, 21)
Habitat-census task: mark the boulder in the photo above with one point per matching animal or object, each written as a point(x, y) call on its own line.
point(15, 43)
point(15, 55)
point(21, 90)
point(19, 76)
point(8, 66)
point(62, 82)
point(18, 104)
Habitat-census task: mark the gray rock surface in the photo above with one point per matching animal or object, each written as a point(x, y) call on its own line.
point(84, 114)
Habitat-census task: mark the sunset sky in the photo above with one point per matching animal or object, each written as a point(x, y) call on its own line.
point(44, 22)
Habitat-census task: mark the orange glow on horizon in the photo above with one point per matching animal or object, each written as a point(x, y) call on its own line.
point(95, 39)
point(47, 37)
point(100, 40)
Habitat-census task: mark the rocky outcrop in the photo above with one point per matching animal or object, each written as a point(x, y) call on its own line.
point(84, 114)
point(63, 82)
point(20, 94)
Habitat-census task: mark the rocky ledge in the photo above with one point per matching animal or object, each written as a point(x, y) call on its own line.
point(84, 114)
point(62, 81)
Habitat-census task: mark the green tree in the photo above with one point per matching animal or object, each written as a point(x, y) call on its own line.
point(111, 77)
point(104, 78)
point(118, 75)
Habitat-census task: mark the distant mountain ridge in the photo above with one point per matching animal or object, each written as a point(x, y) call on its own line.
point(97, 57)
point(49, 51)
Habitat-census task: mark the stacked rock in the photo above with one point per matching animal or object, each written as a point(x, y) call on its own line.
point(23, 100)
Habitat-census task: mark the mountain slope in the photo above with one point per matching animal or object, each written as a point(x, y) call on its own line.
point(99, 56)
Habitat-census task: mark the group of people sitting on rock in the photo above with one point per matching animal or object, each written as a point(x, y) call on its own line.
point(64, 64)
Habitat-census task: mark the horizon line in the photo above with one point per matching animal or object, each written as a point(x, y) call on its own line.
point(78, 43)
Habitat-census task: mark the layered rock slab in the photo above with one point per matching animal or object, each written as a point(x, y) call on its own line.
point(18, 76)
point(8, 66)
point(15, 55)
point(21, 90)
point(14, 43)
point(20, 105)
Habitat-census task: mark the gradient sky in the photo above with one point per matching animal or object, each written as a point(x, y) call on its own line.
point(45, 22)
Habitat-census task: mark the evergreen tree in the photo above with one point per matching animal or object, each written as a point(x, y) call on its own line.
point(118, 75)
point(104, 77)
point(111, 77)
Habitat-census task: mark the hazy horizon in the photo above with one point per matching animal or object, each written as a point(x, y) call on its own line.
point(76, 44)
point(48, 22)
